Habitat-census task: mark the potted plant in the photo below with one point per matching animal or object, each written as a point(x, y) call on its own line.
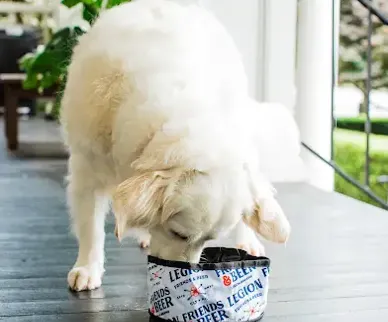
point(47, 66)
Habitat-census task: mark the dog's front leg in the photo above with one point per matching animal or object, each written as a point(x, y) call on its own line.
point(242, 237)
point(88, 210)
point(245, 238)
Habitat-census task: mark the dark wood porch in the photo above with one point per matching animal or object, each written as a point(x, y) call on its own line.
point(333, 269)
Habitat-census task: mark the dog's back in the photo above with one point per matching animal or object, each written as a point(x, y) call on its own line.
point(144, 64)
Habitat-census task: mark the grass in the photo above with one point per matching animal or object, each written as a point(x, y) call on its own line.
point(350, 156)
point(377, 142)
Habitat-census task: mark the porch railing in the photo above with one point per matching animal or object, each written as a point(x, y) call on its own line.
point(365, 185)
point(47, 8)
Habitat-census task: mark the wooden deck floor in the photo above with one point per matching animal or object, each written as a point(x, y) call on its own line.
point(333, 269)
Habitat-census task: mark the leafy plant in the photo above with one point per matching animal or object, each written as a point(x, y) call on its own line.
point(47, 66)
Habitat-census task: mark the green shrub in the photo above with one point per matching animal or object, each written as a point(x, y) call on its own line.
point(350, 156)
point(378, 125)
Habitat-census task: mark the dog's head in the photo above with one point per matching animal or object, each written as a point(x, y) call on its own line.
point(184, 197)
point(184, 208)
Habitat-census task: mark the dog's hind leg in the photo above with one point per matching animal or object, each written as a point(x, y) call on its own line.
point(88, 208)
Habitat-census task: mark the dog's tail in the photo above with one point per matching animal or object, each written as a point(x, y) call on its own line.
point(277, 137)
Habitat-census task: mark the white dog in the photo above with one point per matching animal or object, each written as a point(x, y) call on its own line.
point(157, 119)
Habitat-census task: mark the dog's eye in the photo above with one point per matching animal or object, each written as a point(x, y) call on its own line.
point(179, 235)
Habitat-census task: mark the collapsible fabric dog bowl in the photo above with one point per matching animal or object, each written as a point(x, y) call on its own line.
point(227, 285)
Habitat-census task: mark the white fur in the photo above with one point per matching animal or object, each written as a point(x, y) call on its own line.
point(157, 117)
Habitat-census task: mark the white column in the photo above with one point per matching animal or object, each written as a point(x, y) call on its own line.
point(314, 81)
point(280, 21)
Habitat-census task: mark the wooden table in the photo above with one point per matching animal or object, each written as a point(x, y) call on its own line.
point(13, 92)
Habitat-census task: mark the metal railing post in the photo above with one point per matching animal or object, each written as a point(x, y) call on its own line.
point(368, 92)
point(333, 80)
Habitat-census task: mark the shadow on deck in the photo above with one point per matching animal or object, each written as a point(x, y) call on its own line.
point(333, 268)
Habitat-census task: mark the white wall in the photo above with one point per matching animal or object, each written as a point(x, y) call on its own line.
point(265, 33)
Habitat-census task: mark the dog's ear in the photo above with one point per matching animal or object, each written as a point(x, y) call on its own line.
point(143, 200)
point(266, 217)
point(138, 200)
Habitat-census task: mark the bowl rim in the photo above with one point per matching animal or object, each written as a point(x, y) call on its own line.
point(246, 261)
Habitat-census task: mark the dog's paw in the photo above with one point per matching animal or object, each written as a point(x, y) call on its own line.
point(144, 244)
point(84, 278)
point(143, 238)
point(255, 248)
point(274, 225)
point(251, 244)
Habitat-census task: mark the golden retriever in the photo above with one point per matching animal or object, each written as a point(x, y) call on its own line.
point(157, 120)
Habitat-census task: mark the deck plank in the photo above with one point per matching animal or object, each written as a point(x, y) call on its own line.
point(332, 269)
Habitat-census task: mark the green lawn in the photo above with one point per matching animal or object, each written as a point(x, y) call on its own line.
point(350, 156)
point(377, 142)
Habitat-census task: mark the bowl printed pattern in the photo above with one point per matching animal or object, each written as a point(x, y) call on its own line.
point(208, 292)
